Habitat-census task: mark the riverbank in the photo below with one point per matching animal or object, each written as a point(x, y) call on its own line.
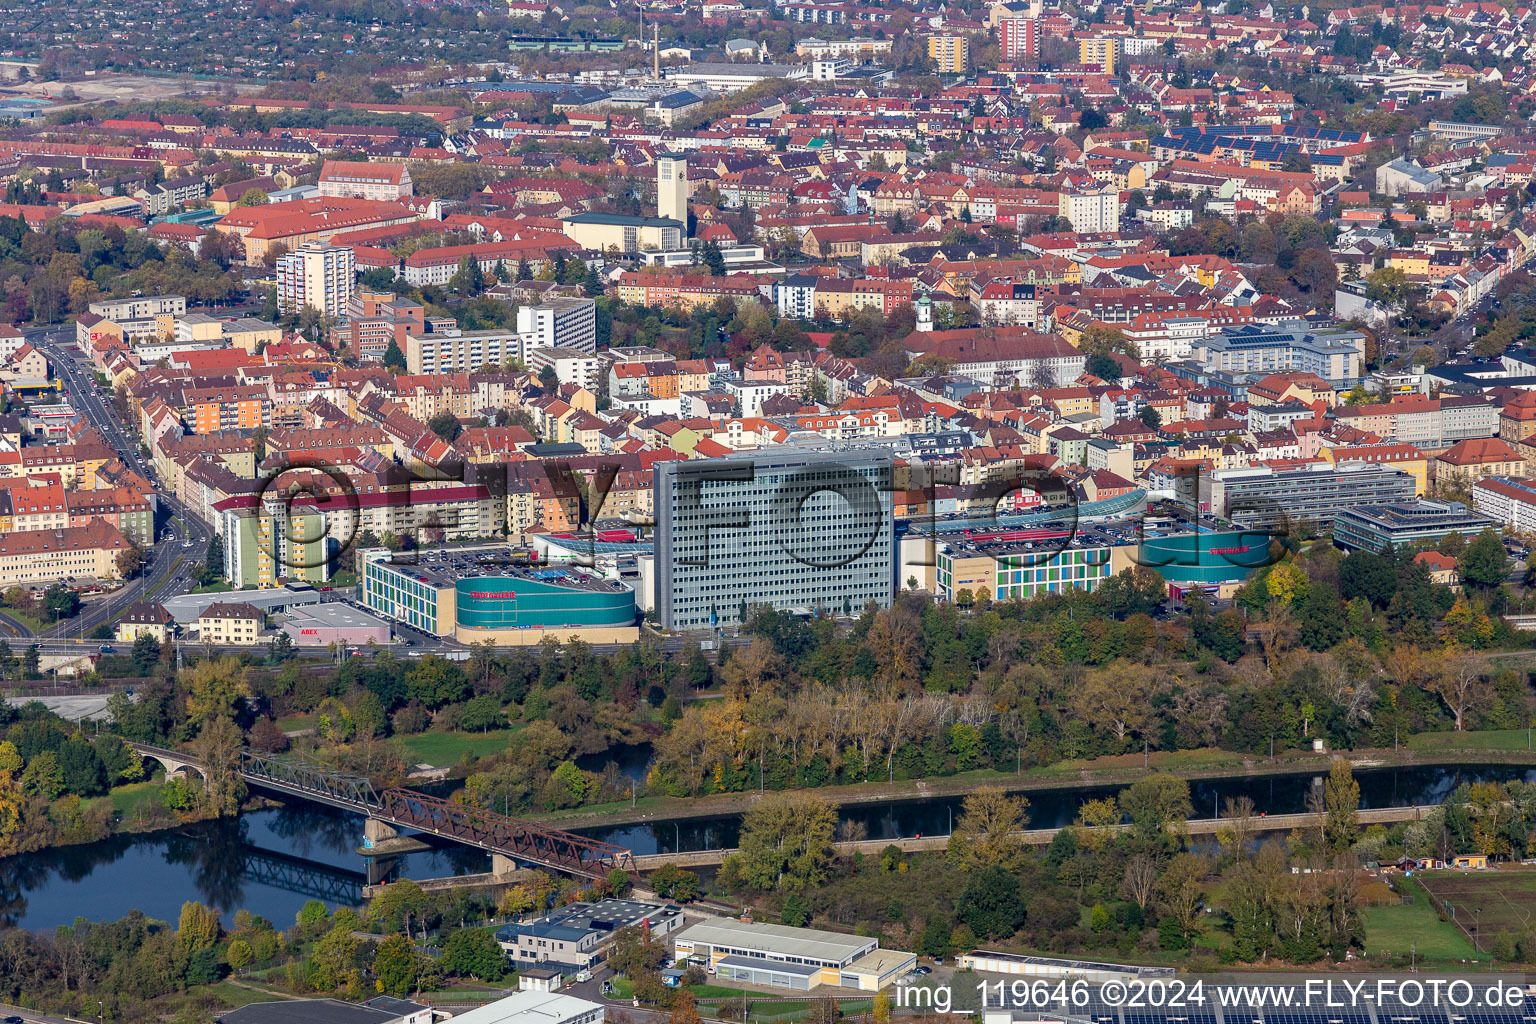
point(1121, 770)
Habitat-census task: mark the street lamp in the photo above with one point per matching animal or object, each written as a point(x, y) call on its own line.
point(1477, 930)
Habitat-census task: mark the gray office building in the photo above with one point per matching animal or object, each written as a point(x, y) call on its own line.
point(798, 529)
point(1319, 493)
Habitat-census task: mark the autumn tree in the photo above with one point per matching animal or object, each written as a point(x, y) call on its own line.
point(1341, 807)
point(987, 832)
point(786, 842)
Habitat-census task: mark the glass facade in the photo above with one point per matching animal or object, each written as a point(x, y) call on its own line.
point(397, 591)
point(798, 531)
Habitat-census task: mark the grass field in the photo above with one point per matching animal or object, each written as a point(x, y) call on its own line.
point(443, 749)
point(1486, 902)
point(1485, 739)
point(124, 799)
point(292, 723)
point(232, 996)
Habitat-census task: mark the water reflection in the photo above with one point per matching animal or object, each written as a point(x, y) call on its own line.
point(272, 861)
point(1282, 794)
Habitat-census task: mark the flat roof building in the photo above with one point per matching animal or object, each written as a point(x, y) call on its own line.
point(487, 593)
point(534, 1007)
point(1373, 527)
point(333, 622)
point(1319, 492)
point(578, 934)
point(780, 956)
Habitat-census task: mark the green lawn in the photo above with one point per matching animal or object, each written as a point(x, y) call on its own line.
point(124, 799)
point(289, 723)
point(1414, 927)
point(1484, 739)
point(343, 580)
point(232, 996)
point(213, 588)
point(444, 749)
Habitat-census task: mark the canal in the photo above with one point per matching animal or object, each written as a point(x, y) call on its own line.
point(271, 861)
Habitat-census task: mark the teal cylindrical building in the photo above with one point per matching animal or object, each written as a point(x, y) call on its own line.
point(1211, 559)
point(527, 602)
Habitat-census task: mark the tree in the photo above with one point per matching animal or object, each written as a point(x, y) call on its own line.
point(1320, 618)
point(1150, 417)
point(43, 777)
point(635, 951)
point(1179, 894)
point(394, 359)
point(1485, 562)
point(474, 953)
point(60, 602)
point(1341, 807)
point(198, 928)
point(1459, 683)
point(993, 904)
point(445, 425)
point(786, 842)
point(218, 744)
point(987, 832)
point(240, 954)
point(214, 687)
point(252, 197)
point(1104, 366)
point(1156, 801)
point(394, 966)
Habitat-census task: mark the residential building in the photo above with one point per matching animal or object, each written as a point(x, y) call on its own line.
point(319, 276)
point(145, 618)
point(559, 323)
point(1019, 38)
point(269, 543)
point(1102, 52)
point(456, 351)
point(951, 55)
point(230, 622)
point(1091, 212)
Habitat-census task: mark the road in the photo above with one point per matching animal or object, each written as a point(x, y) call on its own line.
point(181, 543)
point(32, 1016)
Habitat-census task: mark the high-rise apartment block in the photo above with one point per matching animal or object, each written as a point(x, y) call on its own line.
point(1102, 52)
point(321, 276)
point(1019, 38)
point(559, 323)
point(950, 54)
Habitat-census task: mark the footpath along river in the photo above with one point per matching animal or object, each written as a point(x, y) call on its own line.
point(271, 861)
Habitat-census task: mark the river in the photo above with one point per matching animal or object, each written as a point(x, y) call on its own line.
point(271, 861)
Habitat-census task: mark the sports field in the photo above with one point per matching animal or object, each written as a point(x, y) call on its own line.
point(1484, 903)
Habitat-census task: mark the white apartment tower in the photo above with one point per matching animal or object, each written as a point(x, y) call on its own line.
point(316, 275)
point(672, 188)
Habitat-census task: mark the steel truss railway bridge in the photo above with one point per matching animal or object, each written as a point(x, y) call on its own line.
point(509, 841)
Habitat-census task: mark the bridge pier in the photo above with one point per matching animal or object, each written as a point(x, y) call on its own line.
point(376, 831)
point(502, 865)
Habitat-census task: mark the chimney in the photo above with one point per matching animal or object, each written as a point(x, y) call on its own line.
point(656, 49)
